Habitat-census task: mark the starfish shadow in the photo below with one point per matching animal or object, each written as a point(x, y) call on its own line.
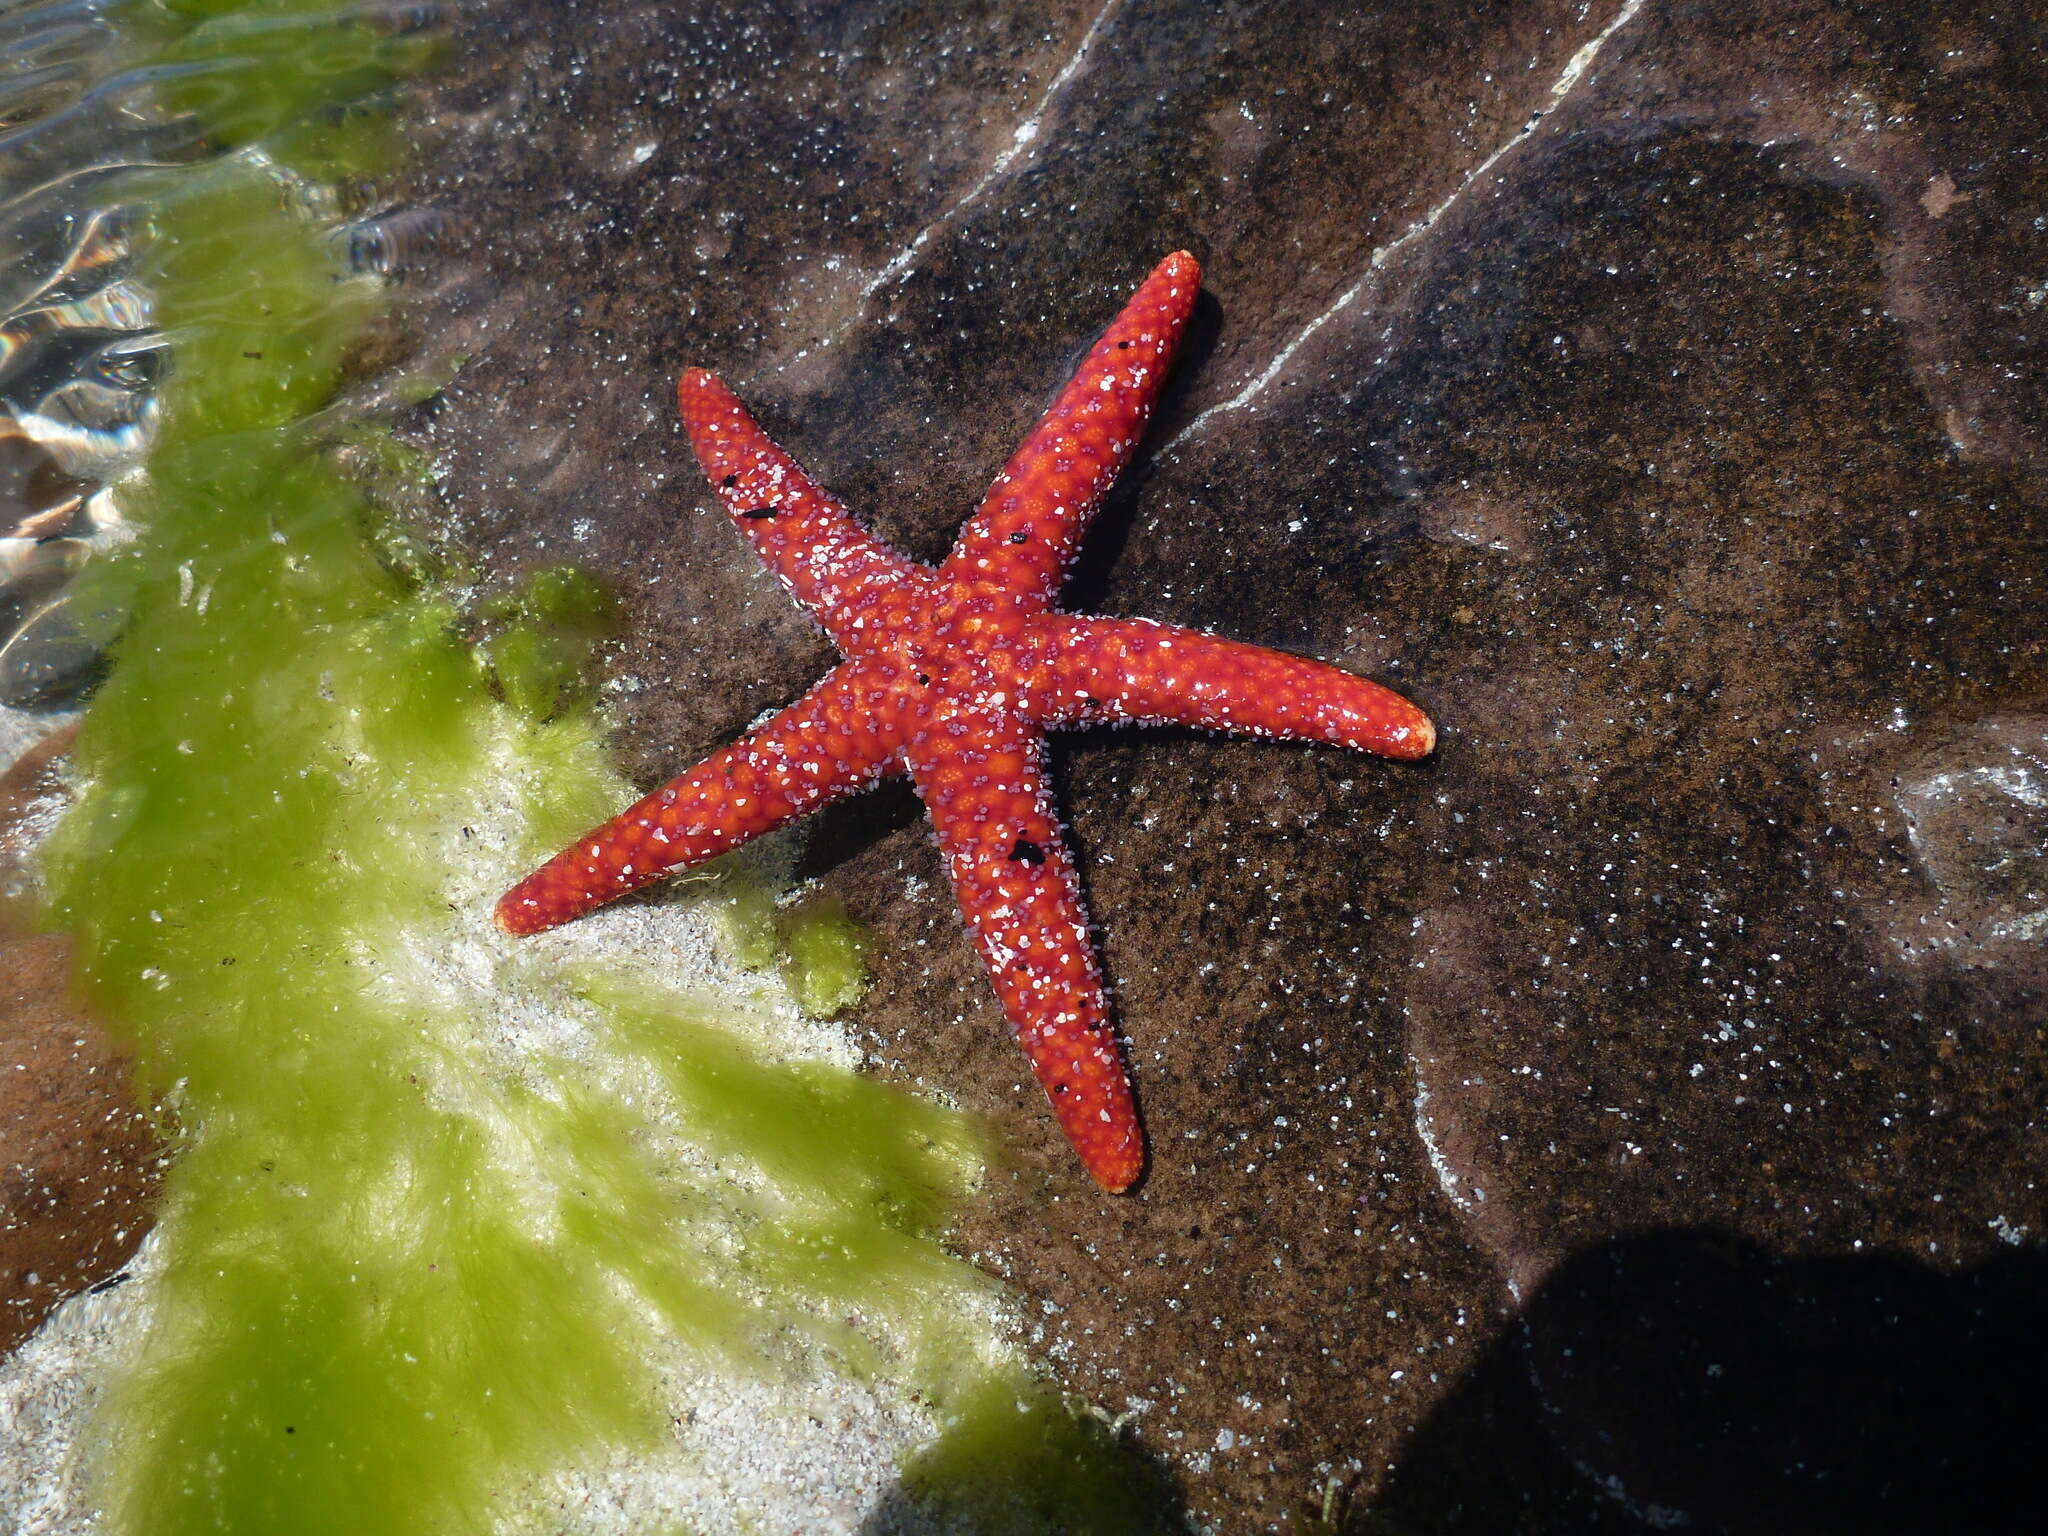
point(1087, 584)
point(839, 832)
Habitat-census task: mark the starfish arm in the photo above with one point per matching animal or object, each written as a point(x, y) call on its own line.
point(1024, 536)
point(835, 567)
point(822, 747)
point(1134, 670)
point(991, 807)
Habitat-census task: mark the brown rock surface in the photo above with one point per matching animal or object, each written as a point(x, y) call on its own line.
point(1620, 1117)
point(78, 1162)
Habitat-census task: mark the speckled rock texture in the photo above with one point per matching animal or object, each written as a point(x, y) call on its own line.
point(78, 1161)
point(1631, 1118)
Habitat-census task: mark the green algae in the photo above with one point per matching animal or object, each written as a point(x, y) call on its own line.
point(825, 956)
point(861, 1179)
point(813, 944)
point(300, 77)
point(1016, 1458)
point(406, 1262)
point(544, 634)
point(373, 1299)
point(747, 918)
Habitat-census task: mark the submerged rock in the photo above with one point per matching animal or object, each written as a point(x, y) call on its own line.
point(81, 1159)
point(1652, 394)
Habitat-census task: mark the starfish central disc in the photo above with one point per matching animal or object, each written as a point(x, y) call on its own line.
point(954, 674)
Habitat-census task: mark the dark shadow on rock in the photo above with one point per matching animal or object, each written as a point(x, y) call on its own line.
point(843, 830)
point(1705, 1384)
point(1089, 586)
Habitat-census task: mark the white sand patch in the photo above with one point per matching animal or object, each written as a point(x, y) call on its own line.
point(49, 1388)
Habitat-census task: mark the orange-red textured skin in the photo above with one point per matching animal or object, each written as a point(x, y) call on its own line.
point(954, 674)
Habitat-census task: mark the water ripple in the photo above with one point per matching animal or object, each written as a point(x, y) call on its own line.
point(85, 140)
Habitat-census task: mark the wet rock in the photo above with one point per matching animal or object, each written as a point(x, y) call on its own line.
point(1653, 392)
point(79, 1160)
point(33, 795)
point(80, 1163)
point(1975, 807)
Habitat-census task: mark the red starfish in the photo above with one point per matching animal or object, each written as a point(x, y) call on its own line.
point(956, 673)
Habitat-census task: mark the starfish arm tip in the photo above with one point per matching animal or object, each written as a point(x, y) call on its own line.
point(515, 914)
point(1117, 1171)
point(1407, 741)
point(695, 381)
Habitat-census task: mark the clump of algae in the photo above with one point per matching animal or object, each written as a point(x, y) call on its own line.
point(1015, 1459)
point(813, 942)
point(403, 1267)
point(826, 965)
point(541, 634)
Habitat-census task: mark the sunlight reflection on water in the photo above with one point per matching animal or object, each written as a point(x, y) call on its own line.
point(79, 353)
point(87, 145)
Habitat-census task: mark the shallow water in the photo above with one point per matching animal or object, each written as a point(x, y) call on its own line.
point(108, 108)
point(80, 354)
